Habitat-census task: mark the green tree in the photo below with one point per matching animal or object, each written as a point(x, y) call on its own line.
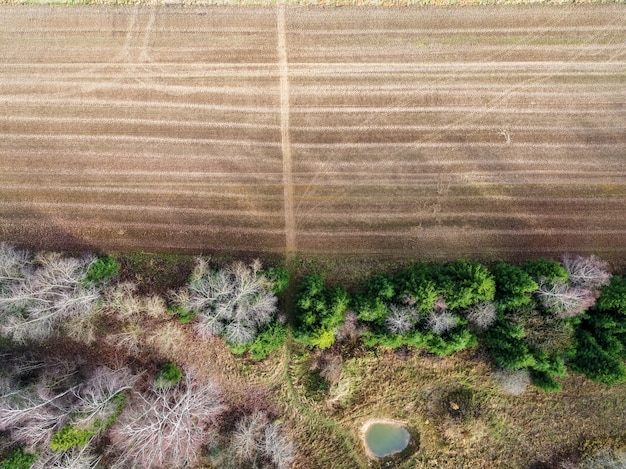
point(464, 283)
point(613, 296)
point(506, 345)
point(513, 286)
point(548, 269)
point(594, 362)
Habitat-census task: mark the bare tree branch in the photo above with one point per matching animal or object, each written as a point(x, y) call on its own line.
point(587, 272)
point(166, 428)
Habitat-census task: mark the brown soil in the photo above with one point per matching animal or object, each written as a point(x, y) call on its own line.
point(494, 132)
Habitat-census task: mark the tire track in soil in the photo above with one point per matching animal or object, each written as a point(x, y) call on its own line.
point(290, 220)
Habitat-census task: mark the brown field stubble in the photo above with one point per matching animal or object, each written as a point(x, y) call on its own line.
point(494, 132)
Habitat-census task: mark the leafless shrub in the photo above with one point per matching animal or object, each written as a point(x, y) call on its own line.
point(564, 300)
point(74, 458)
point(349, 329)
point(233, 303)
point(482, 315)
point(128, 339)
point(548, 333)
point(442, 322)
point(605, 460)
point(587, 272)
point(154, 306)
point(440, 304)
point(167, 339)
point(401, 319)
point(278, 447)
point(256, 440)
point(246, 438)
point(123, 301)
point(14, 264)
point(166, 428)
point(514, 382)
point(331, 369)
point(35, 306)
point(408, 300)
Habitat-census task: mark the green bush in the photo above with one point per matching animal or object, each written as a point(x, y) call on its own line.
point(272, 337)
point(613, 296)
point(513, 286)
point(101, 270)
point(450, 342)
point(594, 362)
point(279, 276)
point(371, 310)
point(371, 305)
point(417, 283)
point(169, 375)
point(551, 271)
point(184, 316)
point(18, 459)
point(70, 437)
point(465, 283)
point(544, 381)
point(506, 345)
point(319, 312)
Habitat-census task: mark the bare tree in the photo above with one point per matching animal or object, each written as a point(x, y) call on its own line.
point(96, 398)
point(401, 319)
point(35, 306)
point(564, 300)
point(587, 272)
point(482, 315)
point(32, 414)
point(233, 303)
point(166, 428)
point(441, 322)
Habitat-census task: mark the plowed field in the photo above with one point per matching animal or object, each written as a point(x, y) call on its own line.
point(492, 132)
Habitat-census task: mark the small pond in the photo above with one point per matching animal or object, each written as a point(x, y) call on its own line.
point(383, 439)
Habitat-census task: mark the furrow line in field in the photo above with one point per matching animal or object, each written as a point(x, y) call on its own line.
point(121, 120)
point(355, 216)
point(482, 90)
point(456, 127)
point(135, 208)
point(91, 85)
point(454, 31)
point(138, 138)
point(164, 227)
point(331, 68)
point(418, 144)
point(347, 31)
point(439, 231)
point(433, 109)
point(156, 175)
point(47, 100)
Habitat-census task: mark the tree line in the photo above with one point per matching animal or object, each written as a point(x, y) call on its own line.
point(542, 318)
